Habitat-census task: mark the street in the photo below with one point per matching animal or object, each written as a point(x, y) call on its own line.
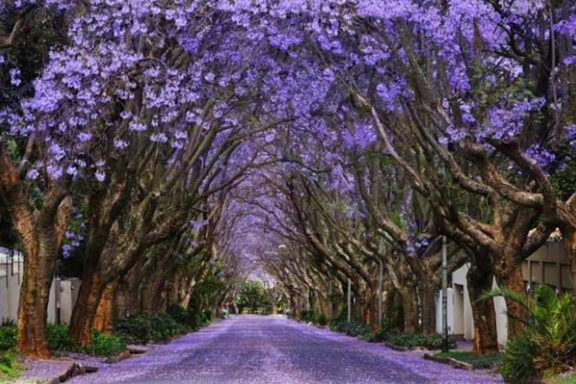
point(258, 349)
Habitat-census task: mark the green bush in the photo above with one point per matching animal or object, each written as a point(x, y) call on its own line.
point(179, 313)
point(547, 344)
point(352, 329)
point(518, 365)
point(104, 345)
point(9, 367)
point(382, 333)
point(320, 320)
point(164, 327)
point(134, 329)
point(8, 337)
point(58, 338)
point(437, 341)
point(307, 315)
point(144, 328)
point(198, 320)
point(408, 340)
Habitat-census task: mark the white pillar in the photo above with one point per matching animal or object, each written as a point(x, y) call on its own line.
point(444, 295)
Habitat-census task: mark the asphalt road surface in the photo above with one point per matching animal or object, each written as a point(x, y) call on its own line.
point(273, 350)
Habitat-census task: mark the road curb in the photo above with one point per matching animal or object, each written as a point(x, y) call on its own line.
point(450, 361)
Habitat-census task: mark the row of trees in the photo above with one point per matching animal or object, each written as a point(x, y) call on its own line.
point(119, 145)
point(344, 134)
point(441, 119)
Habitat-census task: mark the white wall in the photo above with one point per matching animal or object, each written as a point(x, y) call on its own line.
point(462, 315)
point(63, 295)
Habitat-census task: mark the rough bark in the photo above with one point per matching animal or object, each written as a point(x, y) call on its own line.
point(480, 281)
point(86, 309)
point(428, 292)
point(104, 322)
point(41, 241)
point(514, 281)
point(32, 309)
point(410, 308)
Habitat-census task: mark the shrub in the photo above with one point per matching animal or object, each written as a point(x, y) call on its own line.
point(518, 360)
point(144, 328)
point(58, 338)
point(340, 326)
point(359, 329)
point(352, 329)
point(320, 320)
point(409, 340)
point(9, 367)
point(436, 342)
point(307, 315)
point(382, 333)
point(199, 320)
point(134, 329)
point(178, 313)
point(7, 337)
point(104, 345)
point(164, 327)
point(547, 344)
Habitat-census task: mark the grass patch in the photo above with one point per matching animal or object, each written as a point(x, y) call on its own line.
point(561, 379)
point(478, 362)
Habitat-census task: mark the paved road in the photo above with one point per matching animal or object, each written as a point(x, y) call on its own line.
point(270, 350)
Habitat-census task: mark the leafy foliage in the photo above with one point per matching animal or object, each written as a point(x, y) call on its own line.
point(9, 367)
point(307, 315)
point(8, 336)
point(320, 319)
point(253, 296)
point(105, 345)
point(350, 328)
point(144, 328)
point(547, 345)
point(58, 338)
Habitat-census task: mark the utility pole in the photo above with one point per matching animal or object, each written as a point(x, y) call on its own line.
point(349, 300)
point(380, 292)
point(444, 296)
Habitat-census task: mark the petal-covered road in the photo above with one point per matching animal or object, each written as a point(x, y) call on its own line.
point(271, 350)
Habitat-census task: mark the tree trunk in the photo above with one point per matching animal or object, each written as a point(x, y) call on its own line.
point(41, 241)
point(514, 281)
point(86, 308)
point(33, 307)
point(428, 308)
point(104, 322)
point(410, 308)
point(485, 332)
